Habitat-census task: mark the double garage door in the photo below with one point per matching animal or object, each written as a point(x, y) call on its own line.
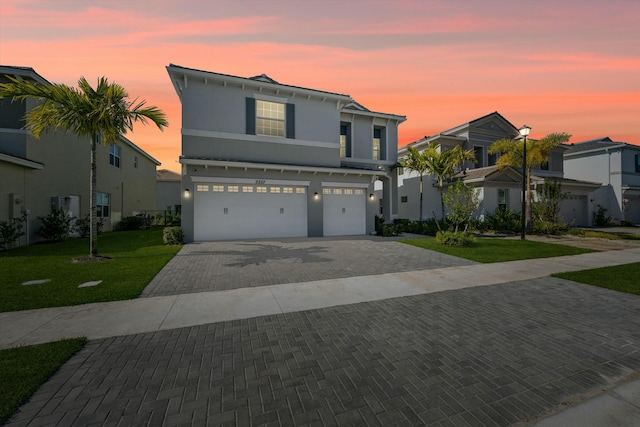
point(266, 209)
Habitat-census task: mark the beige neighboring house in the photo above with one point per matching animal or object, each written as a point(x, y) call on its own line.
point(54, 171)
point(168, 191)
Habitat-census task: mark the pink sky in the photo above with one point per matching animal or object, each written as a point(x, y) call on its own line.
point(560, 65)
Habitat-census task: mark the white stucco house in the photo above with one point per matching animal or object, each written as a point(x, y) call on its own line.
point(261, 159)
point(497, 188)
point(614, 164)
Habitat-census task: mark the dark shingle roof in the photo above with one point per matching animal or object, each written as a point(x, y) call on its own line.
point(592, 144)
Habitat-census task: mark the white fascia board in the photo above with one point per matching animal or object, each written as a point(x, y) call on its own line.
point(249, 181)
point(276, 167)
point(21, 162)
point(394, 117)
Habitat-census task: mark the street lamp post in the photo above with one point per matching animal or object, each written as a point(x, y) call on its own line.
point(524, 131)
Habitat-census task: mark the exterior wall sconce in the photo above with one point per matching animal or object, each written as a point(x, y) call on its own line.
point(316, 196)
point(187, 193)
point(371, 197)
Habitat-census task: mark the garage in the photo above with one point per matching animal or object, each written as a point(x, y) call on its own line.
point(573, 210)
point(252, 209)
point(344, 211)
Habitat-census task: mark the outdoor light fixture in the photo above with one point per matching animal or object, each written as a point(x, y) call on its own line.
point(370, 196)
point(187, 193)
point(524, 131)
point(316, 196)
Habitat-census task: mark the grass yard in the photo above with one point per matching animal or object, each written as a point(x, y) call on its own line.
point(622, 278)
point(24, 369)
point(489, 249)
point(137, 258)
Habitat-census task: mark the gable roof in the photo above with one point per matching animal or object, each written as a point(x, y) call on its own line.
point(167, 175)
point(595, 145)
point(17, 71)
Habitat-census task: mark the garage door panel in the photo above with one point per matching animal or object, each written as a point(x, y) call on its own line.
point(344, 214)
point(239, 215)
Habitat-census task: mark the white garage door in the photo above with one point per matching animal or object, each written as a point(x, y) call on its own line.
point(224, 211)
point(573, 210)
point(344, 211)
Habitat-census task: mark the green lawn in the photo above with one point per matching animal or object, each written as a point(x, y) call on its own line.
point(137, 258)
point(488, 249)
point(24, 369)
point(623, 278)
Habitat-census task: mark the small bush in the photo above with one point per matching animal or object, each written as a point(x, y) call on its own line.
point(387, 230)
point(427, 227)
point(451, 238)
point(9, 234)
point(504, 220)
point(600, 217)
point(173, 236)
point(131, 223)
point(627, 223)
point(83, 226)
point(56, 226)
point(549, 227)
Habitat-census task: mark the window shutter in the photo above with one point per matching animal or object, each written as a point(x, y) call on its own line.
point(251, 116)
point(291, 121)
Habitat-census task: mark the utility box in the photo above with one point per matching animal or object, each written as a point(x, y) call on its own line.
point(16, 204)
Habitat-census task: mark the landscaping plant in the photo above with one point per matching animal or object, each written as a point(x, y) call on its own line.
point(55, 226)
point(9, 235)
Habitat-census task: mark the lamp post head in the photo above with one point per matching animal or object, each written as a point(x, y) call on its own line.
point(524, 130)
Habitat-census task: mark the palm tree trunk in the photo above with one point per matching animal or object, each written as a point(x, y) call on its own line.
point(93, 232)
point(527, 211)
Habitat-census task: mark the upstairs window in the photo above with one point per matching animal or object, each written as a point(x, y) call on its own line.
point(345, 140)
point(544, 166)
point(114, 155)
point(135, 162)
point(378, 144)
point(503, 199)
point(493, 158)
point(478, 152)
point(269, 118)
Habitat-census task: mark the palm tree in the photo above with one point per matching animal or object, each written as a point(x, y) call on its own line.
point(444, 164)
point(538, 153)
point(103, 112)
point(416, 162)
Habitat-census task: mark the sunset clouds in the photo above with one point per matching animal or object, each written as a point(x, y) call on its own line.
point(559, 65)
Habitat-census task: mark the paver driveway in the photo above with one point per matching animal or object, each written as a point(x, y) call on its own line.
point(492, 355)
point(214, 266)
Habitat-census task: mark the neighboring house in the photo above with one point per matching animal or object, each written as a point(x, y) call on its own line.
point(614, 164)
point(263, 159)
point(168, 185)
point(54, 171)
point(498, 189)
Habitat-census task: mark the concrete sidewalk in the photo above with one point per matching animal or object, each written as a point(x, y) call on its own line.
point(103, 320)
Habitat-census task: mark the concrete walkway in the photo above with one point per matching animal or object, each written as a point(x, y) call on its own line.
point(103, 320)
point(496, 362)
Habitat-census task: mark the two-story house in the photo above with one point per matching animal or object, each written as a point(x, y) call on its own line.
point(498, 189)
point(262, 159)
point(54, 171)
point(614, 164)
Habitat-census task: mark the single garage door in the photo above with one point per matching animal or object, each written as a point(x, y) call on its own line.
point(573, 210)
point(344, 211)
point(224, 211)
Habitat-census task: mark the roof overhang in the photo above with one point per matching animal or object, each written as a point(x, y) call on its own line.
point(139, 150)
point(277, 167)
point(21, 162)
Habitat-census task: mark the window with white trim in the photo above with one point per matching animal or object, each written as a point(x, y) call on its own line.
point(114, 155)
point(103, 204)
point(376, 143)
point(503, 199)
point(202, 187)
point(217, 188)
point(261, 189)
point(301, 190)
point(233, 189)
point(270, 118)
point(247, 188)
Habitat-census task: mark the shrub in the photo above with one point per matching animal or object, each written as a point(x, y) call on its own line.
point(600, 217)
point(173, 236)
point(549, 227)
point(452, 238)
point(9, 234)
point(427, 227)
point(504, 220)
point(56, 226)
point(83, 225)
point(386, 230)
point(131, 223)
point(462, 201)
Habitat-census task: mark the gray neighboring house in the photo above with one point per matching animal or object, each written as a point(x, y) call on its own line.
point(262, 159)
point(53, 172)
point(168, 185)
point(614, 164)
point(498, 189)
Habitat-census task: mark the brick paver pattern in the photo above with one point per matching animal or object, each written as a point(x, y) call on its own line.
point(216, 266)
point(493, 355)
